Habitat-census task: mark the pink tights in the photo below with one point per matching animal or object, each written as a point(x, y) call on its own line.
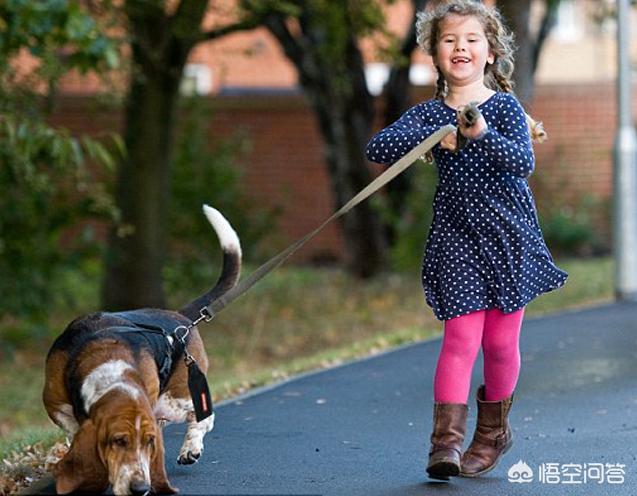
point(499, 334)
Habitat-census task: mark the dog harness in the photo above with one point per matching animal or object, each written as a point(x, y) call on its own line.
point(140, 334)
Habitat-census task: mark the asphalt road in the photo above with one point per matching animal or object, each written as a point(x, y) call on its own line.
point(363, 428)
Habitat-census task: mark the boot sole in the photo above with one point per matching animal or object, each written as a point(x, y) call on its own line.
point(443, 470)
point(489, 468)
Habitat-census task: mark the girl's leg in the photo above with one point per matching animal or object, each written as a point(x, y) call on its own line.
point(460, 346)
point(493, 436)
point(501, 349)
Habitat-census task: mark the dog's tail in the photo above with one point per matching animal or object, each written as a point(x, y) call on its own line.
point(231, 263)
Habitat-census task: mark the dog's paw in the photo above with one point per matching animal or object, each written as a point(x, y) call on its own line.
point(188, 458)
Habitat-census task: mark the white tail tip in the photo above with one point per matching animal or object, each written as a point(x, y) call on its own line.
point(227, 236)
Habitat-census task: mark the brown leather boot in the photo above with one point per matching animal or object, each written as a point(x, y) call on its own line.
point(450, 422)
point(493, 436)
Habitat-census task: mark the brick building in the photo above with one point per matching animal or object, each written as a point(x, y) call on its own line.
point(254, 88)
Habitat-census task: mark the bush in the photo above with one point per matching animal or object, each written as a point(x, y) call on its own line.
point(211, 173)
point(413, 226)
point(573, 224)
point(570, 229)
point(47, 190)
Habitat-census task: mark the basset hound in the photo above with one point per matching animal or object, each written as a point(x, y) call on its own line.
point(114, 379)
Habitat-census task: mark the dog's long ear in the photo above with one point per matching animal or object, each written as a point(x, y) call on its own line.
point(81, 467)
point(158, 477)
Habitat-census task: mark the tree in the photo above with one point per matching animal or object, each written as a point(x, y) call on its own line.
point(162, 35)
point(397, 98)
point(46, 186)
point(321, 39)
point(516, 14)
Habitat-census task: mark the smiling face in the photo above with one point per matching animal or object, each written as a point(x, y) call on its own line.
point(462, 50)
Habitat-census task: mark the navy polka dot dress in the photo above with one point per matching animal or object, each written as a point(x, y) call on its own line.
point(485, 247)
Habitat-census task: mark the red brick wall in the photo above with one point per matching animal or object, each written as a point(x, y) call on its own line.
point(581, 122)
point(285, 167)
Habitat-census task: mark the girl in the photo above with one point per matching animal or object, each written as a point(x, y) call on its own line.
point(485, 257)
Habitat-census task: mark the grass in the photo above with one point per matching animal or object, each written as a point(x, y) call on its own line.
point(295, 320)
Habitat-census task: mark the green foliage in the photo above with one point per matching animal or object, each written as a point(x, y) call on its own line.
point(49, 195)
point(570, 229)
point(328, 33)
point(413, 226)
point(573, 224)
point(210, 173)
point(336, 25)
point(46, 192)
point(59, 33)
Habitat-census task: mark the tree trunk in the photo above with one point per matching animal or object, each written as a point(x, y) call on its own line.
point(516, 14)
point(344, 128)
point(397, 99)
point(136, 255)
point(546, 26)
point(345, 122)
point(344, 110)
point(160, 47)
point(397, 90)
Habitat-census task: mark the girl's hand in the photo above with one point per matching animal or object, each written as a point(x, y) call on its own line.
point(475, 131)
point(449, 142)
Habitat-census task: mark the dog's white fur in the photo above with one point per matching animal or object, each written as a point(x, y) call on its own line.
point(228, 238)
point(105, 378)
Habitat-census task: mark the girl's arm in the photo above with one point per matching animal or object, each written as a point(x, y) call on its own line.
point(397, 139)
point(510, 149)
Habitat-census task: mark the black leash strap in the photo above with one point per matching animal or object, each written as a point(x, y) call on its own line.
point(403, 163)
point(197, 382)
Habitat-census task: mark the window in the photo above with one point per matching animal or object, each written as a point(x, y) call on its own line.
point(196, 80)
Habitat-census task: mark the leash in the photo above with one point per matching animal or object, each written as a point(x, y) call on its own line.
point(197, 383)
point(207, 313)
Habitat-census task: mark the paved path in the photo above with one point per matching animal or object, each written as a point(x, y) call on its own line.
point(362, 429)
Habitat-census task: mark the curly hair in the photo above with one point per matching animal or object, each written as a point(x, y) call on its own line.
point(497, 76)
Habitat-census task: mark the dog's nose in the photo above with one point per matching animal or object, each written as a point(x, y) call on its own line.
point(139, 488)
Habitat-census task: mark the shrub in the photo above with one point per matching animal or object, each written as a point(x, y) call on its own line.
point(47, 190)
point(412, 227)
point(211, 173)
point(573, 223)
point(570, 229)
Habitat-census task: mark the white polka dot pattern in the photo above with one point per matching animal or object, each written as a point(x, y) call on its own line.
point(485, 247)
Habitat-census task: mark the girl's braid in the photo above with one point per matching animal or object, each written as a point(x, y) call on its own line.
point(503, 83)
point(441, 86)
